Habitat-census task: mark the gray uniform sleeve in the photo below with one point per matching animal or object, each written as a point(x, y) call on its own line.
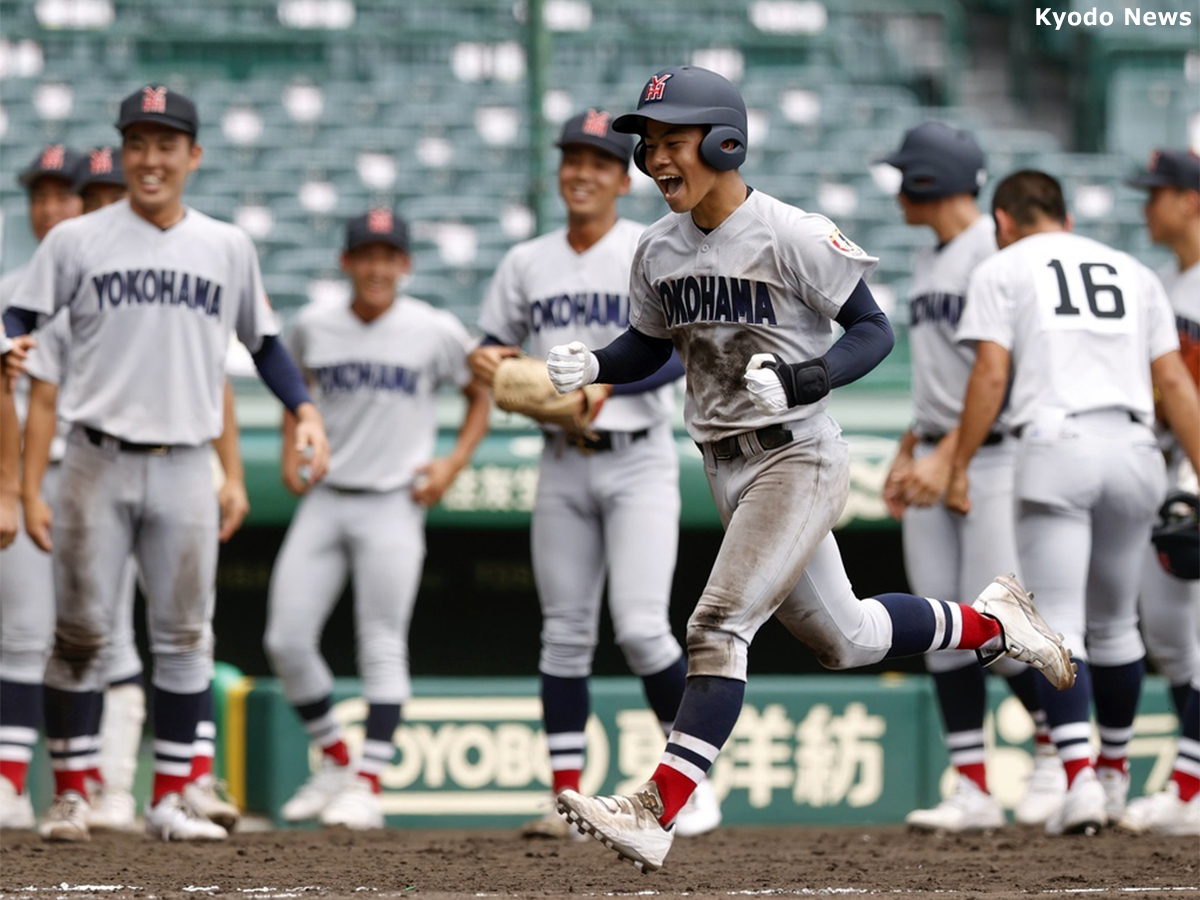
point(451, 366)
point(255, 318)
point(824, 265)
point(505, 313)
point(53, 276)
point(645, 312)
point(1161, 332)
point(988, 314)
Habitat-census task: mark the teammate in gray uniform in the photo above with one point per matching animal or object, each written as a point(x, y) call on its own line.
point(1170, 606)
point(946, 554)
point(1086, 333)
point(741, 284)
point(376, 366)
point(607, 506)
point(26, 586)
point(154, 289)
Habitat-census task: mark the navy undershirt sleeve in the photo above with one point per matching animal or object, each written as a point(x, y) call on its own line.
point(632, 357)
point(18, 321)
point(490, 340)
point(868, 338)
point(280, 373)
point(668, 373)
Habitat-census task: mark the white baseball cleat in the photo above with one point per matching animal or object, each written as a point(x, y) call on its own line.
point(552, 825)
point(112, 809)
point(1082, 811)
point(969, 809)
point(318, 792)
point(701, 814)
point(1027, 637)
point(628, 825)
point(1116, 791)
point(16, 810)
point(1045, 790)
point(207, 796)
point(1162, 813)
point(356, 806)
point(67, 819)
point(174, 819)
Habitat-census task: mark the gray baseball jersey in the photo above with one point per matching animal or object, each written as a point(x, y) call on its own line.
point(202, 284)
point(1082, 321)
point(770, 279)
point(376, 385)
point(940, 364)
point(48, 362)
point(545, 293)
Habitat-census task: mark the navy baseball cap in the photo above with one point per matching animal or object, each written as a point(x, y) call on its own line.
point(594, 128)
point(378, 226)
point(938, 160)
point(102, 165)
point(1170, 168)
point(155, 103)
point(53, 161)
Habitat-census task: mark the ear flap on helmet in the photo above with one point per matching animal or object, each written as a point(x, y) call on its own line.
point(639, 156)
point(717, 156)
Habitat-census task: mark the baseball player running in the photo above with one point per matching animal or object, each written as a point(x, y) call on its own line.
point(1088, 335)
point(947, 554)
point(376, 366)
point(154, 290)
point(1170, 606)
point(747, 289)
point(607, 504)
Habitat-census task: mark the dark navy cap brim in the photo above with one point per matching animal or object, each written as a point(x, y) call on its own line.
point(672, 114)
point(386, 240)
point(29, 176)
point(158, 119)
point(621, 153)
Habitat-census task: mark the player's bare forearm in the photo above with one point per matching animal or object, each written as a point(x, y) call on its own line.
point(10, 467)
point(930, 475)
point(311, 440)
point(985, 396)
point(291, 458)
point(14, 360)
point(41, 424)
point(1179, 402)
point(484, 359)
point(435, 478)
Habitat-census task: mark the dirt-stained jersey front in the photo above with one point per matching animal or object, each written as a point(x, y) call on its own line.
point(126, 282)
point(1082, 321)
point(770, 279)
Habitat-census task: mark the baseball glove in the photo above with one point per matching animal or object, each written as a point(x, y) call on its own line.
point(1176, 538)
point(521, 385)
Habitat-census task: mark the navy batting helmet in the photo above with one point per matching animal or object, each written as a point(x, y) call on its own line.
point(938, 160)
point(689, 95)
point(1176, 537)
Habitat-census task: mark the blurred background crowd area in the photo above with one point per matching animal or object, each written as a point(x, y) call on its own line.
point(314, 109)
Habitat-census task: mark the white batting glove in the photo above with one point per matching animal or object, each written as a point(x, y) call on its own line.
point(571, 366)
point(766, 390)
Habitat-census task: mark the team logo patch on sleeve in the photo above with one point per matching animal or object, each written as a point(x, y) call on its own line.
point(844, 245)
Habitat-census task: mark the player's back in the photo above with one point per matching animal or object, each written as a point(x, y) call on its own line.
point(1086, 321)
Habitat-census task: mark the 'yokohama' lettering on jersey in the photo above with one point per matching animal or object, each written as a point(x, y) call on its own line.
point(564, 310)
point(162, 286)
point(935, 308)
point(716, 298)
point(360, 376)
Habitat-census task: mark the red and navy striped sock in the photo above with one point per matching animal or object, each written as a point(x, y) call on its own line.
point(1187, 756)
point(323, 730)
point(962, 698)
point(1116, 690)
point(921, 624)
point(70, 738)
point(175, 720)
point(566, 705)
point(379, 745)
point(20, 721)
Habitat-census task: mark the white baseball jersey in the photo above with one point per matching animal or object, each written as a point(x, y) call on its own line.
point(770, 279)
point(1082, 321)
point(941, 366)
point(181, 292)
point(376, 386)
point(48, 362)
point(546, 293)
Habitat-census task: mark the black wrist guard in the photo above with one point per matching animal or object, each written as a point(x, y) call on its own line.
point(805, 382)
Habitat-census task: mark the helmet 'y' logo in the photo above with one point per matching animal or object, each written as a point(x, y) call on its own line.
point(100, 162)
point(595, 123)
point(154, 100)
point(53, 157)
point(379, 221)
point(654, 88)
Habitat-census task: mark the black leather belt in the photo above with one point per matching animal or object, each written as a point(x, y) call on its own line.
point(1019, 430)
point(768, 438)
point(600, 441)
point(991, 440)
point(100, 439)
